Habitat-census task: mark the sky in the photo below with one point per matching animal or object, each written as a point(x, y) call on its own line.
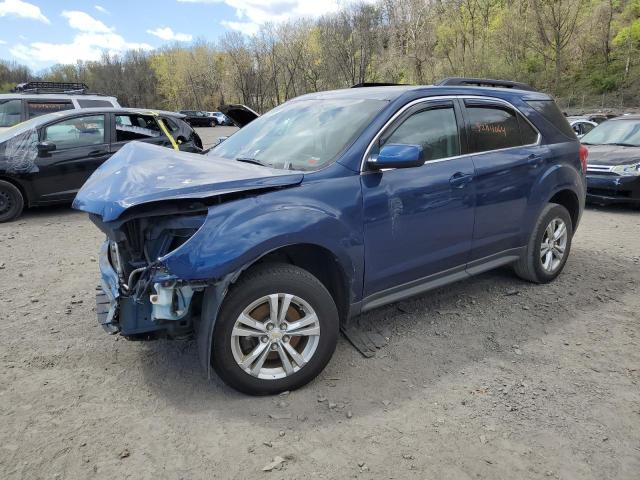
point(41, 33)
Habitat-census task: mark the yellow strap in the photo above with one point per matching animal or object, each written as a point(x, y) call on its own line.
point(166, 132)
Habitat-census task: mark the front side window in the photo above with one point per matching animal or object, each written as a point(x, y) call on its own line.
point(301, 134)
point(76, 132)
point(35, 109)
point(494, 127)
point(10, 112)
point(435, 130)
point(136, 127)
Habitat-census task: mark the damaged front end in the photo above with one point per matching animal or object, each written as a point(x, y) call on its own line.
point(137, 294)
point(150, 201)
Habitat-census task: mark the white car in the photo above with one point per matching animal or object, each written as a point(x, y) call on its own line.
point(33, 99)
point(581, 125)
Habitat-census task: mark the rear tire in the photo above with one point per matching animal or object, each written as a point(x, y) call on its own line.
point(11, 201)
point(549, 246)
point(288, 333)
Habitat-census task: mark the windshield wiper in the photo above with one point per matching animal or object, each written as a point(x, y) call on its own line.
point(255, 161)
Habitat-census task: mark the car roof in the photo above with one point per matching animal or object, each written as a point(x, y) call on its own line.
point(390, 93)
point(54, 96)
point(85, 111)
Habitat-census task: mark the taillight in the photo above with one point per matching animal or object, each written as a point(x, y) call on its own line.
point(584, 153)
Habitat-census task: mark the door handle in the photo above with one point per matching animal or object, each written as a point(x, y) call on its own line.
point(460, 180)
point(535, 160)
point(97, 153)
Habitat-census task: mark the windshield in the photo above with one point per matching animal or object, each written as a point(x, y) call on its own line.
point(301, 134)
point(616, 132)
point(10, 112)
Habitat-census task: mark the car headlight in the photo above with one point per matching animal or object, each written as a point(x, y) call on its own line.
point(114, 256)
point(632, 170)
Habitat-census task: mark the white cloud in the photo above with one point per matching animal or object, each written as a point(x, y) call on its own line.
point(101, 9)
point(85, 46)
point(248, 28)
point(84, 22)
point(2, 42)
point(94, 39)
point(22, 9)
point(253, 13)
point(165, 33)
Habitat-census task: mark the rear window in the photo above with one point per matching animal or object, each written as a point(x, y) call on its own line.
point(549, 110)
point(94, 103)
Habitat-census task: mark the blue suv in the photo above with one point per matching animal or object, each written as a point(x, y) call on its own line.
point(328, 206)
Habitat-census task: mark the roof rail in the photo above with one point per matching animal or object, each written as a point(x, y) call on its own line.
point(376, 84)
point(51, 87)
point(483, 82)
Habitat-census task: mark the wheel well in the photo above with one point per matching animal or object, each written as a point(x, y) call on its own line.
point(322, 264)
point(19, 187)
point(568, 200)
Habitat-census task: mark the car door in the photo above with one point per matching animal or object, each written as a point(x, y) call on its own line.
point(508, 159)
point(79, 146)
point(418, 222)
point(140, 127)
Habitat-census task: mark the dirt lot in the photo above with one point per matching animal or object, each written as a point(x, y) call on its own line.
point(210, 135)
point(489, 378)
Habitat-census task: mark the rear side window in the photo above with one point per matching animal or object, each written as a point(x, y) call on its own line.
point(136, 127)
point(549, 110)
point(170, 124)
point(493, 128)
point(35, 109)
point(94, 103)
point(528, 134)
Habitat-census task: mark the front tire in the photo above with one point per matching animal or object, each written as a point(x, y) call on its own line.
point(11, 201)
point(549, 246)
point(276, 331)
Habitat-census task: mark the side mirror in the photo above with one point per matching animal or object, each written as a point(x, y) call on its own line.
point(398, 156)
point(46, 147)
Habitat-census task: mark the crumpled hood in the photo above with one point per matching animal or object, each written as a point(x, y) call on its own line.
point(141, 173)
point(612, 155)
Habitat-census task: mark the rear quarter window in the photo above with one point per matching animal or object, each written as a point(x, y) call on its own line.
point(94, 103)
point(550, 111)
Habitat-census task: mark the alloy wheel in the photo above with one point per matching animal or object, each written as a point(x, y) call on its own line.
point(275, 336)
point(554, 244)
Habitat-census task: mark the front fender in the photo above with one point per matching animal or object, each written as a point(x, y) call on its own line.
point(238, 233)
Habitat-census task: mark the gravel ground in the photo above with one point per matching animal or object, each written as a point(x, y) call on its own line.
point(488, 378)
point(209, 136)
